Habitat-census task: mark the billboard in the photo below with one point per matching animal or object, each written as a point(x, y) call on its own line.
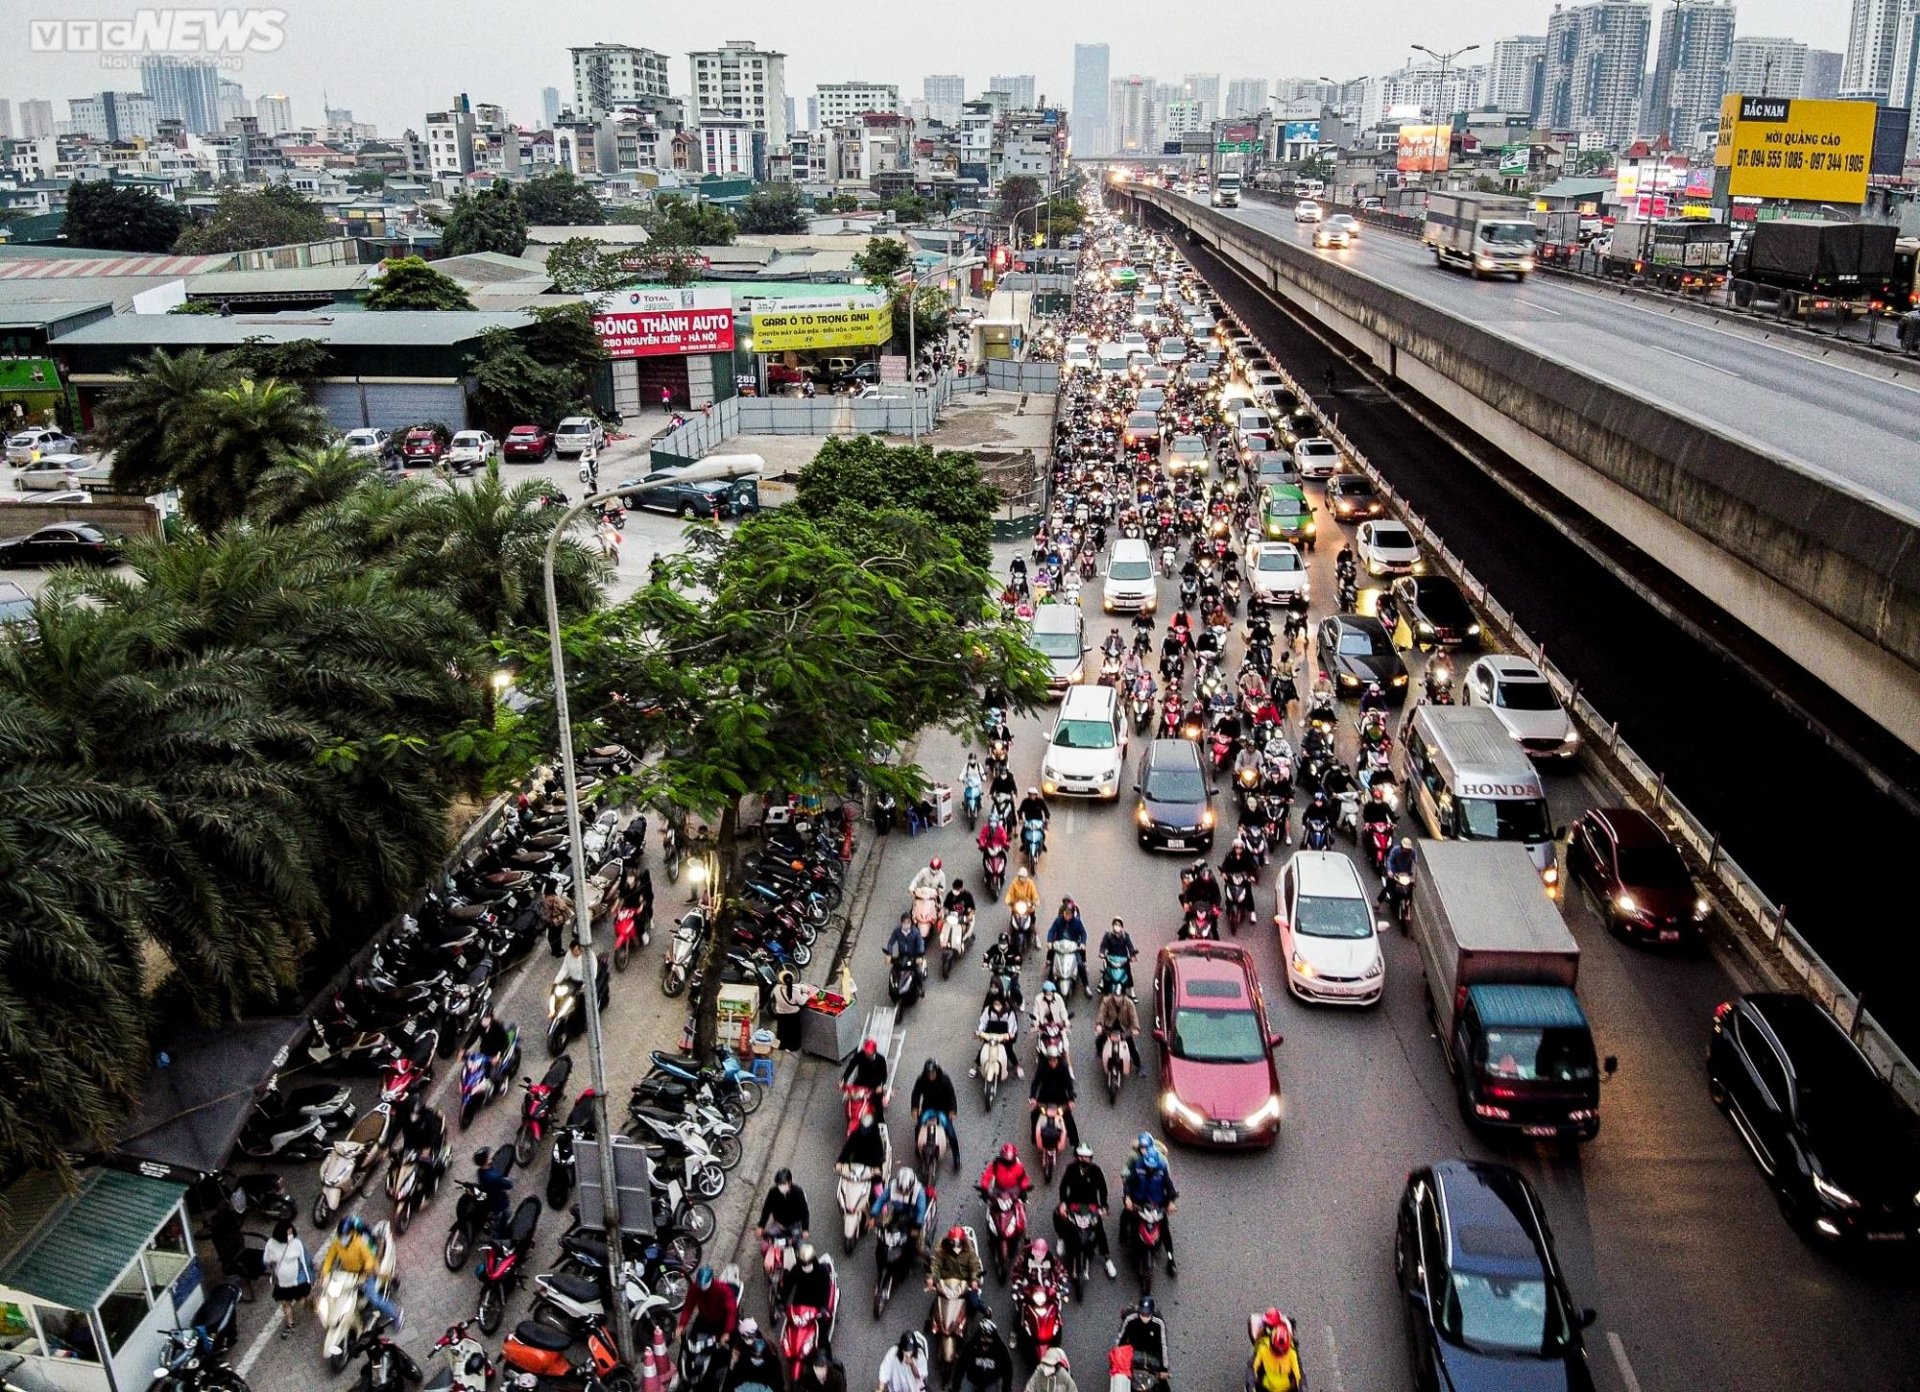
point(821, 324)
point(1784, 147)
point(659, 323)
point(1514, 160)
point(1298, 131)
point(1423, 149)
point(1241, 138)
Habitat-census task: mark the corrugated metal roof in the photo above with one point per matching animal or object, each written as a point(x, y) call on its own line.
point(1515, 1007)
point(71, 1248)
point(292, 280)
point(490, 268)
point(116, 266)
point(1576, 188)
point(402, 327)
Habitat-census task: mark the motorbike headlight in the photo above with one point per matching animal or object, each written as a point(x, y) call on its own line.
point(1426, 628)
point(1473, 630)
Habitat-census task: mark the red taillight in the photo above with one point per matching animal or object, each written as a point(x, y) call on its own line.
point(1496, 1090)
point(1721, 1011)
point(1459, 1000)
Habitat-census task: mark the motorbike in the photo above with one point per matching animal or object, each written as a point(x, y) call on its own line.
point(1020, 927)
point(566, 1017)
point(970, 801)
point(191, 1361)
point(468, 1368)
point(893, 1254)
point(956, 935)
point(854, 1190)
point(1050, 1041)
point(482, 1078)
point(1007, 1223)
point(994, 1063)
point(410, 1068)
point(1033, 840)
point(502, 1258)
point(388, 1368)
point(1077, 1249)
point(1116, 1060)
point(993, 863)
point(1142, 703)
point(1399, 888)
point(702, 1364)
point(630, 934)
point(1378, 839)
point(1146, 1240)
point(1239, 901)
point(342, 1307)
point(906, 978)
point(413, 1179)
point(1439, 680)
point(951, 1320)
point(471, 1219)
point(806, 1328)
point(281, 1119)
point(1316, 832)
point(930, 1144)
point(1050, 1137)
point(537, 1113)
point(1347, 815)
point(1202, 923)
point(542, 1350)
point(683, 951)
point(1039, 1321)
point(1116, 974)
point(1064, 966)
point(348, 1166)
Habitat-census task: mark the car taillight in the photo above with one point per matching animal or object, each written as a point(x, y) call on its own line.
point(1721, 1011)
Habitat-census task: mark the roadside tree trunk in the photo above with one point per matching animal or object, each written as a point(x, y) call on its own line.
point(706, 1008)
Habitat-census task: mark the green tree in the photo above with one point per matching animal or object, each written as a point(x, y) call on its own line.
point(154, 421)
point(774, 209)
point(842, 203)
point(932, 311)
point(243, 431)
point(301, 361)
point(105, 216)
point(858, 474)
point(242, 221)
point(196, 307)
point(490, 220)
point(559, 199)
point(630, 214)
point(682, 222)
point(563, 336)
point(511, 387)
point(407, 282)
point(909, 207)
point(1017, 195)
point(884, 258)
point(307, 479)
point(580, 265)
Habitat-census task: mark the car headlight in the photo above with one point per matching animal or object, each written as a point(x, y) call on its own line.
point(1348, 679)
point(1426, 627)
point(1206, 817)
point(1701, 908)
point(1626, 903)
point(1175, 1108)
point(1144, 817)
point(1378, 967)
point(1834, 1194)
point(1302, 967)
point(1400, 679)
point(1526, 263)
point(1267, 1111)
point(1551, 874)
point(1473, 630)
point(1076, 674)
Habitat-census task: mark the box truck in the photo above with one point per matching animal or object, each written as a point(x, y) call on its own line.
point(1486, 233)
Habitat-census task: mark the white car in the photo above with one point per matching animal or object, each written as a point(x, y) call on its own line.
point(1328, 936)
point(25, 446)
point(1173, 351)
point(1329, 234)
point(1275, 572)
point(1348, 222)
point(1133, 343)
point(1316, 457)
point(470, 450)
point(1266, 383)
point(1306, 210)
point(62, 473)
point(1187, 452)
point(1524, 701)
point(576, 433)
point(368, 442)
point(1078, 358)
point(1386, 548)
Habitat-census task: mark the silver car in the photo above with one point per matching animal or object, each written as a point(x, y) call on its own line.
point(25, 446)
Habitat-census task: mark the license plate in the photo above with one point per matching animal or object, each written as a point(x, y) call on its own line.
point(1541, 1131)
point(1225, 1135)
point(1886, 1237)
point(1176, 843)
point(1669, 935)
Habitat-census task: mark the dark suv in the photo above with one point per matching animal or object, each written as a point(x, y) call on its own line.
point(1839, 1154)
point(1175, 811)
point(710, 498)
point(1481, 1284)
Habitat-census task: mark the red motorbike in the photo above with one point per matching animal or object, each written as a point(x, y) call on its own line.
point(409, 1069)
point(858, 1100)
point(1007, 1223)
point(804, 1330)
point(1378, 841)
point(1039, 1320)
point(628, 937)
point(542, 1104)
point(501, 1259)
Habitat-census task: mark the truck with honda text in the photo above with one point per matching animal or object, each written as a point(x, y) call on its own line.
point(1500, 969)
point(1485, 234)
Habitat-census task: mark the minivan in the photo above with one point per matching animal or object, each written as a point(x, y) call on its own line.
point(1088, 745)
point(1130, 586)
point(1467, 780)
point(1059, 634)
point(574, 434)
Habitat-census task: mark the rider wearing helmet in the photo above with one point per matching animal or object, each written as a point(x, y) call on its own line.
point(1053, 1086)
point(933, 1095)
point(1239, 860)
point(1068, 926)
point(868, 1069)
point(352, 1251)
point(1050, 1006)
point(810, 1287)
point(1034, 808)
point(1038, 1266)
point(1399, 862)
point(1005, 1171)
point(1149, 1181)
point(1145, 1333)
point(1201, 888)
point(1083, 1185)
point(955, 1258)
point(713, 1307)
point(1276, 1362)
point(985, 1362)
point(905, 1197)
point(866, 1144)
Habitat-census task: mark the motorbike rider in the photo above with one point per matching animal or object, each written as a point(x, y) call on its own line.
point(1040, 1266)
point(1149, 1181)
point(1375, 810)
point(1276, 1362)
point(492, 1039)
point(1050, 1007)
point(784, 1211)
point(1118, 1014)
point(907, 943)
point(1145, 1333)
point(1319, 813)
point(423, 1131)
point(810, 1286)
point(927, 885)
point(905, 1196)
point(1399, 862)
point(1246, 761)
point(1201, 889)
point(1068, 926)
point(1053, 1373)
point(973, 776)
point(985, 1363)
point(1021, 889)
point(1339, 782)
point(1002, 790)
point(713, 1307)
point(1083, 1185)
point(1118, 942)
point(1239, 860)
point(1373, 698)
point(866, 1144)
point(933, 1095)
point(756, 1362)
point(868, 1069)
point(352, 1251)
point(1053, 1086)
point(955, 1258)
point(961, 898)
point(494, 1184)
point(1005, 1171)
point(1003, 964)
point(1000, 1016)
point(904, 1369)
point(993, 834)
point(1033, 808)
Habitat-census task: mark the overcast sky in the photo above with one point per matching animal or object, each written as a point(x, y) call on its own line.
point(392, 60)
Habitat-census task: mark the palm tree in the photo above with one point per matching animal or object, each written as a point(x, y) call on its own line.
point(307, 479)
point(245, 429)
point(151, 422)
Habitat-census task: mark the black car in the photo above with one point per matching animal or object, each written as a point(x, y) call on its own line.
point(1175, 812)
point(1487, 1306)
point(1354, 650)
point(59, 544)
point(714, 498)
point(1430, 612)
point(1839, 1154)
point(1352, 498)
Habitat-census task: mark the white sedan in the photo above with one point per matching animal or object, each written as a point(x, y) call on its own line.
point(1524, 701)
point(1306, 211)
point(1316, 457)
point(470, 450)
point(1173, 351)
point(1276, 573)
point(1386, 548)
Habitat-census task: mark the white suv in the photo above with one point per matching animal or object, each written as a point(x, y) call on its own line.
point(1328, 937)
point(575, 433)
point(1088, 745)
point(1524, 701)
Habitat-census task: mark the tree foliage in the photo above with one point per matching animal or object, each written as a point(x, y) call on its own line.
point(105, 216)
point(682, 222)
point(932, 310)
point(774, 209)
point(301, 361)
point(539, 374)
point(559, 199)
point(1016, 194)
point(242, 221)
point(884, 258)
point(909, 207)
point(489, 220)
point(408, 282)
point(856, 474)
point(582, 265)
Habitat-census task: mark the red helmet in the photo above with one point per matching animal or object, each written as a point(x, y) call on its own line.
point(956, 1234)
point(1009, 1151)
point(1277, 1332)
point(867, 1046)
point(934, 864)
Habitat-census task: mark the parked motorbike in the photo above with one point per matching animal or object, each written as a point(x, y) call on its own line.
point(468, 1368)
point(348, 1166)
point(683, 952)
point(388, 1368)
point(542, 1350)
point(502, 1258)
point(542, 1102)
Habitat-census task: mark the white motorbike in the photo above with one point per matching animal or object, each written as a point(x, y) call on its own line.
point(855, 1192)
point(956, 936)
point(577, 1304)
point(1347, 819)
point(346, 1168)
point(1064, 966)
point(994, 1063)
point(468, 1367)
point(682, 952)
point(342, 1307)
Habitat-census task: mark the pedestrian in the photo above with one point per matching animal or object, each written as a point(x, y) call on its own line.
point(790, 997)
point(666, 398)
point(556, 910)
point(291, 1269)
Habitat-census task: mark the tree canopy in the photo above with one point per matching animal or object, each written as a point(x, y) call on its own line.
point(774, 208)
point(539, 374)
point(559, 199)
point(681, 222)
point(489, 220)
point(884, 258)
point(408, 282)
point(581, 265)
point(855, 474)
point(241, 221)
point(105, 216)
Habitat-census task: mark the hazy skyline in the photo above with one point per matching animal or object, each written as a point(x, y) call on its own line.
point(497, 51)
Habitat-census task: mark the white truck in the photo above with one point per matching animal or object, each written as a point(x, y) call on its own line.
point(1484, 233)
point(1226, 191)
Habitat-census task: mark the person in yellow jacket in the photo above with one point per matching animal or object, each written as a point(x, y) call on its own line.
point(1276, 1362)
point(352, 1251)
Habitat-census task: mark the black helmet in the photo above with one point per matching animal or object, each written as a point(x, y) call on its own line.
point(482, 1156)
point(1148, 1307)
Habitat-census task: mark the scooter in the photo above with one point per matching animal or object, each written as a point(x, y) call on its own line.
point(542, 1350)
point(575, 1302)
point(1116, 974)
point(1146, 1239)
point(1020, 927)
point(970, 801)
point(468, 1369)
point(806, 1328)
point(389, 1368)
point(893, 1254)
point(543, 1100)
point(412, 1181)
point(1039, 1321)
point(930, 1144)
point(1077, 1253)
point(1399, 889)
point(191, 1360)
point(1033, 840)
point(342, 1307)
point(993, 863)
point(993, 1064)
point(350, 1164)
point(502, 1258)
point(906, 978)
point(1239, 894)
point(1050, 1138)
point(1065, 967)
point(683, 951)
point(482, 1079)
point(1007, 1222)
point(952, 1319)
point(956, 936)
point(565, 1015)
point(855, 1193)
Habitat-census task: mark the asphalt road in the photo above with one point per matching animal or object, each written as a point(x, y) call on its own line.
point(1837, 418)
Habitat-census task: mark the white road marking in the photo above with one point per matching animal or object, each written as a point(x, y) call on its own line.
point(1334, 1378)
point(1620, 1359)
point(260, 1342)
point(1556, 313)
point(1697, 362)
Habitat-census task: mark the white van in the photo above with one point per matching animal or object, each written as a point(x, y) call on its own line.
point(1088, 745)
point(1130, 587)
point(1467, 780)
point(1059, 634)
point(1113, 359)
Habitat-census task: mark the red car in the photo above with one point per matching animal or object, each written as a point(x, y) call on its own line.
point(781, 375)
point(1632, 868)
point(422, 447)
point(528, 442)
point(1218, 1082)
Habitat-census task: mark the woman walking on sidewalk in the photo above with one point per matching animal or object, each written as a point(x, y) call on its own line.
point(286, 1261)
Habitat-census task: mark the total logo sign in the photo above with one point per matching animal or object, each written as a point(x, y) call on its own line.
point(658, 323)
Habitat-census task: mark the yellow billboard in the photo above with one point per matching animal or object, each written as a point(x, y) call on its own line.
point(1784, 147)
point(1424, 149)
point(824, 324)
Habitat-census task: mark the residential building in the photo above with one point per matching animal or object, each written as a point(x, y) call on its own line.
point(233, 102)
point(6, 120)
point(1822, 80)
point(608, 75)
point(1181, 117)
point(1129, 121)
point(1689, 72)
point(1903, 83)
point(450, 141)
point(1596, 67)
point(1766, 67)
point(1203, 89)
point(843, 103)
point(113, 116)
point(738, 79)
point(549, 107)
point(813, 113)
point(36, 119)
point(944, 92)
point(1020, 90)
point(732, 146)
point(1513, 73)
point(1425, 87)
point(792, 125)
point(183, 90)
point(1246, 96)
point(1094, 130)
point(275, 114)
point(1866, 74)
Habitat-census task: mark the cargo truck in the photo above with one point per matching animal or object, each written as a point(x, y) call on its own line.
point(1795, 268)
point(1500, 970)
point(1688, 257)
point(1226, 191)
point(1486, 233)
point(1559, 237)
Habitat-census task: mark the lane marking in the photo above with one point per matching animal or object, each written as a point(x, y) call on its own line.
point(1334, 1377)
point(1540, 308)
point(1620, 1359)
point(261, 1340)
point(1697, 362)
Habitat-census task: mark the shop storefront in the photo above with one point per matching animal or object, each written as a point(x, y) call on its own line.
point(679, 341)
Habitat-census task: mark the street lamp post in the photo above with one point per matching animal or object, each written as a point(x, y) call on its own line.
point(1446, 62)
point(576, 850)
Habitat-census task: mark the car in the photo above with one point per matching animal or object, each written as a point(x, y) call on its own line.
point(1276, 572)
point(1354, 651)
point(1149, 399)
point(1175, 812)
point(16, 611)
point(1058, 633)
point(62, 472)
point(709, 498)
point(1154, 377)
point(1352, 497)
point(830, 371)
point(576, 433)
point(1823, 1127)
point(1143, 428)
point(1486, 1302)
point(25, 446)
point(368, 442)
point(1316, 457)
point(1218, 1082)
point(1328, 938)
point(1133, 341)
point(1348, 223)
point(1258, 363)
point(1087, 748)
point(1519, 694)
point(1386, 548)
point(61, 543)
point(866, 373)
point(1430, 612)
point(1329, 234)
point(1187, 452)
point(423, 446)
point(1634, 871)
point(780, 374)
point(1077, 358)
point(1129, 586)
point(1173, 351)
point(528, 442)
point(1270, 466)
point(1286, 515)
point(1306, 210)
point(469, 450)
point(1265, 382)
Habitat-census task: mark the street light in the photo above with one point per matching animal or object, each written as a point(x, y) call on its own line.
point(1446, 61)
point(576, 848)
